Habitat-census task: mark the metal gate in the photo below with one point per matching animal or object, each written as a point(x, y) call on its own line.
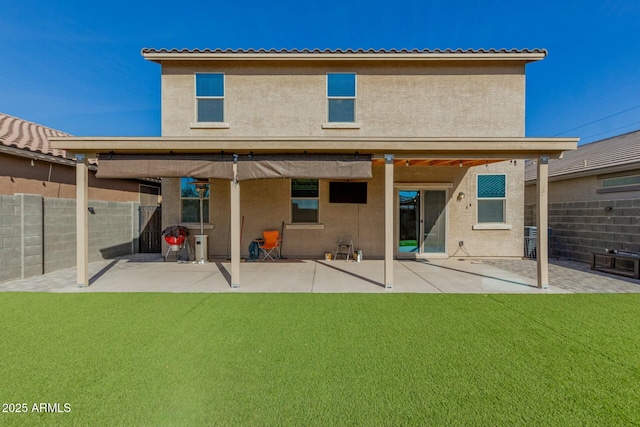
point(150, 218)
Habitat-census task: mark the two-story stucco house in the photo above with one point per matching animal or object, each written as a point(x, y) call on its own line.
point(414, 153)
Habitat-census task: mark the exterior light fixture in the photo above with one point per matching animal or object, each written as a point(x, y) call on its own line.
point(461, 196)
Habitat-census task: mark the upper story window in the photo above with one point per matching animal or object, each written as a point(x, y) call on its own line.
point(190, 202)
point(341, 96)
point(492, 196)
point(305, 200)
point(210, 97)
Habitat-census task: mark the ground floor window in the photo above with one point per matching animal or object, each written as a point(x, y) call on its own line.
point(190, 202)
point(305, 200)
point(492, 196)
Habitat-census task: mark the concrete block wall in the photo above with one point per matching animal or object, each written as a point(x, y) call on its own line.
point(10, 237)
point(579, 228)
point(21, 250)
point(32, 235)
point(60, 234)
point(113, 229)
point(38, 235)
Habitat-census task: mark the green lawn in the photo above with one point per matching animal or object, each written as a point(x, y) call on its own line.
point(311, 359)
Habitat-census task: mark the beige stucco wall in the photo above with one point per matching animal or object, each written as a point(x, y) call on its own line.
point(21, 175)
point(427, 99)
point(265, 205)
point(393, 98)
point(577, 190)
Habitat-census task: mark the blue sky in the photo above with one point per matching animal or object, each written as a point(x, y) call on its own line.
point(76, 65)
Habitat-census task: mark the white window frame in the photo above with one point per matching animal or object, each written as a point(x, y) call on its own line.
point(504, 199)
point(198, 98)
point(354, 97)
point(292, 198)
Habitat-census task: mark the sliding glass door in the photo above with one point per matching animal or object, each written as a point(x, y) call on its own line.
point(435, 202)
point(422, 221)
point(409, 221)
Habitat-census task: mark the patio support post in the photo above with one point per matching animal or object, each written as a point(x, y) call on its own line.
point(543, 222)
point(235, 226)
point(388, 221)
point(82, 220)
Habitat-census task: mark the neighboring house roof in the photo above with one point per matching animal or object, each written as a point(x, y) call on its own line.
point(609, 155)
point(526, 55)
point(28, 137)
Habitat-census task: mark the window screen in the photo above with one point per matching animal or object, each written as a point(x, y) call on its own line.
point(491, 198)
point(210, 97)
point(341, 95)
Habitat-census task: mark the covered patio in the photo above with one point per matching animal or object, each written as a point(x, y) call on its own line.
point(390, 151)
point(148, 273)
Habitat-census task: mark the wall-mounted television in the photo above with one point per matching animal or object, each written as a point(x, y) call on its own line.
point(348, 192)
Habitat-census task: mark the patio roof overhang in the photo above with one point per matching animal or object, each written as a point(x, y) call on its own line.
point(427, 151)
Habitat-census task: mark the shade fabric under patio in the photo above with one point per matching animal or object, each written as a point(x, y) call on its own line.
point(301, 166)
point(250, 167)
point(113, 165)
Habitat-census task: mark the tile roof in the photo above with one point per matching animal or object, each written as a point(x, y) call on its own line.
point(28, 136)
point(344, 51)
point(590, 159)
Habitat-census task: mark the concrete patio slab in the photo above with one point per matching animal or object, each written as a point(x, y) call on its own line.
point(466, 276)
point(148, 273)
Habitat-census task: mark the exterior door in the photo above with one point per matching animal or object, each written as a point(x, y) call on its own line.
point(409, 219)
point(150, 220)
point(434, 220)
point(422, 222)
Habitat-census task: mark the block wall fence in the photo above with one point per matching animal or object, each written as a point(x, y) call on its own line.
point(579, 228)
point(38, 234)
